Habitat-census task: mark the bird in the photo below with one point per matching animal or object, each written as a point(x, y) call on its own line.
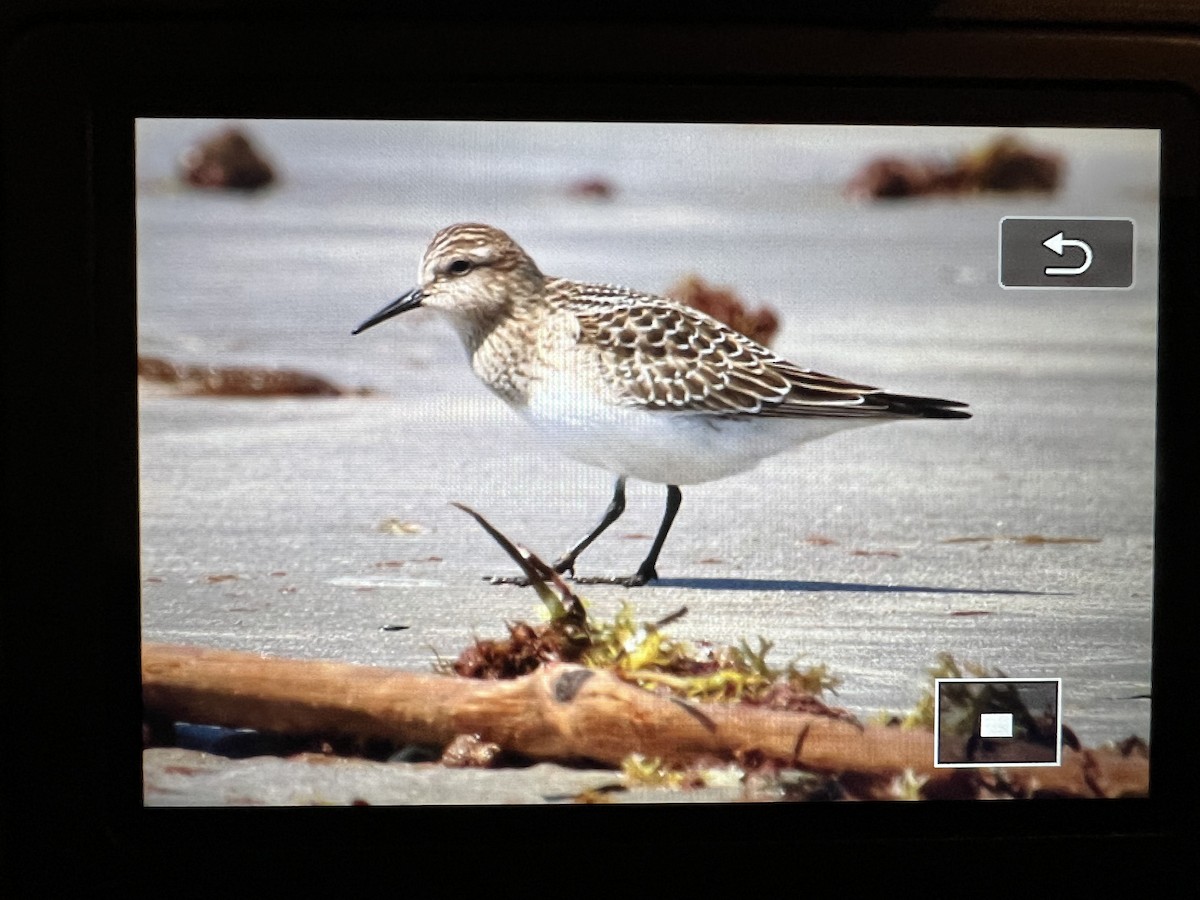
point(631, 382)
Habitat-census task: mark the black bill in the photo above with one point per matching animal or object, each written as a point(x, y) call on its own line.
point(408, 301)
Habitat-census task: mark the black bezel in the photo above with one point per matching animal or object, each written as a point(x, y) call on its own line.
point(72, 94)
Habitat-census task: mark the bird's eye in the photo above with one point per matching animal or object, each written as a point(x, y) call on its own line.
point(459, 267)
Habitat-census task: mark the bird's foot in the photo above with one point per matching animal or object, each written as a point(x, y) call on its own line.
point(563, 567)
point(518, 580)
point(636, 580)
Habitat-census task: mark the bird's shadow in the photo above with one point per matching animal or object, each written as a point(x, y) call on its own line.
point(773, 584)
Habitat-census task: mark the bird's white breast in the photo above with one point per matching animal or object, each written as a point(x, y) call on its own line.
point(659, 446)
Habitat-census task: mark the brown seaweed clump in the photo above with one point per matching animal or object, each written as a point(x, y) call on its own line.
point(227, 160)
point(592, 188)
point(724, 305)
point(235, 381)
point(1003, 165)
point(528, 647)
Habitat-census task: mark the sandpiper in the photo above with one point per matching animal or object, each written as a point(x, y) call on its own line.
point(633, 383)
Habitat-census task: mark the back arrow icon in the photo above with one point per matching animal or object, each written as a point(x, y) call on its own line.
point(1057, 243)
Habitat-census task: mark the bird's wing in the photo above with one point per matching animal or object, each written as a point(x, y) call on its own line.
point(659, 354)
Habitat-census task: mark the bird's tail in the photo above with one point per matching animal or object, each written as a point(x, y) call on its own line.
point(921, 407)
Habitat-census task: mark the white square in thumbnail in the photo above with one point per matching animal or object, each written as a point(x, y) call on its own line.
point(996, 725)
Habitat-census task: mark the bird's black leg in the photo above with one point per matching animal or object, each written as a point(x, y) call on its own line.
point(646, 571)
point(616, 506)
point(566, 562)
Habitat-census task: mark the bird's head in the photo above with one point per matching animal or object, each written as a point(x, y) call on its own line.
point(474, 275)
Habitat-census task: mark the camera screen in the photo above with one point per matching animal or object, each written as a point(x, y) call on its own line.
point(527, 462)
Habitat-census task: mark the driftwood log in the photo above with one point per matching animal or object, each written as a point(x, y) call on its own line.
point(563, 712)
